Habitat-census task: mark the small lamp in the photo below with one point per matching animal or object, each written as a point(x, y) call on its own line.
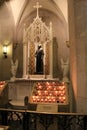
point(5, 51)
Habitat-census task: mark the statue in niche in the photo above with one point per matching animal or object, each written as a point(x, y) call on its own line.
point(14, 66)
point(39, 59)
point(65, 69)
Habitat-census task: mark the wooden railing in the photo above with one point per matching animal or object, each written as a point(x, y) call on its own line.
point(32, 120)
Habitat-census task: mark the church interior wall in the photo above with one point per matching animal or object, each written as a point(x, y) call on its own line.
point(77, 50)
point(6, 33)
point(59, 31)
point(77, 54)
point(16, 34)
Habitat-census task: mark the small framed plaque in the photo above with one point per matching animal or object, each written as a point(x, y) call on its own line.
point(47, 107)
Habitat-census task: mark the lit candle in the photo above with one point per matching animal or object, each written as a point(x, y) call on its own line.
point(42, 99)
point(64, 98)
point(62, 94)
point(38, 99)
point(49, 87)
point(60, 88)
point(34, 98)
point(53, 83)
point(46, 93)
point(39, 87)
point(45, 100)
point(50, 100)
point(48, 97)
point(54, 100)
point(54, 88)
point(59, 99)
point(50, 94)
point(39, 93)
point(1, 86)
point(59, 92)
point(55, 93)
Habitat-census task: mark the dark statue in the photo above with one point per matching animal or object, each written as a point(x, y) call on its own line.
point(39, 60)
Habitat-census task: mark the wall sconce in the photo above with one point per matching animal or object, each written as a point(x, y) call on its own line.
point(5, 51)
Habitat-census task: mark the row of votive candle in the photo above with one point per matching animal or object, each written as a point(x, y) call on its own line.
point(49, 99)
point(50, 83)
point(49, 87)
point(50, 93)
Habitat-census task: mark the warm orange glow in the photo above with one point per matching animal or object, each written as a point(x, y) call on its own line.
point(50, 93)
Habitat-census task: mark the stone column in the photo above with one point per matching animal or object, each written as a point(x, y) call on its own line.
point(78, 54)
point(51, 51)
point(24, 60)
